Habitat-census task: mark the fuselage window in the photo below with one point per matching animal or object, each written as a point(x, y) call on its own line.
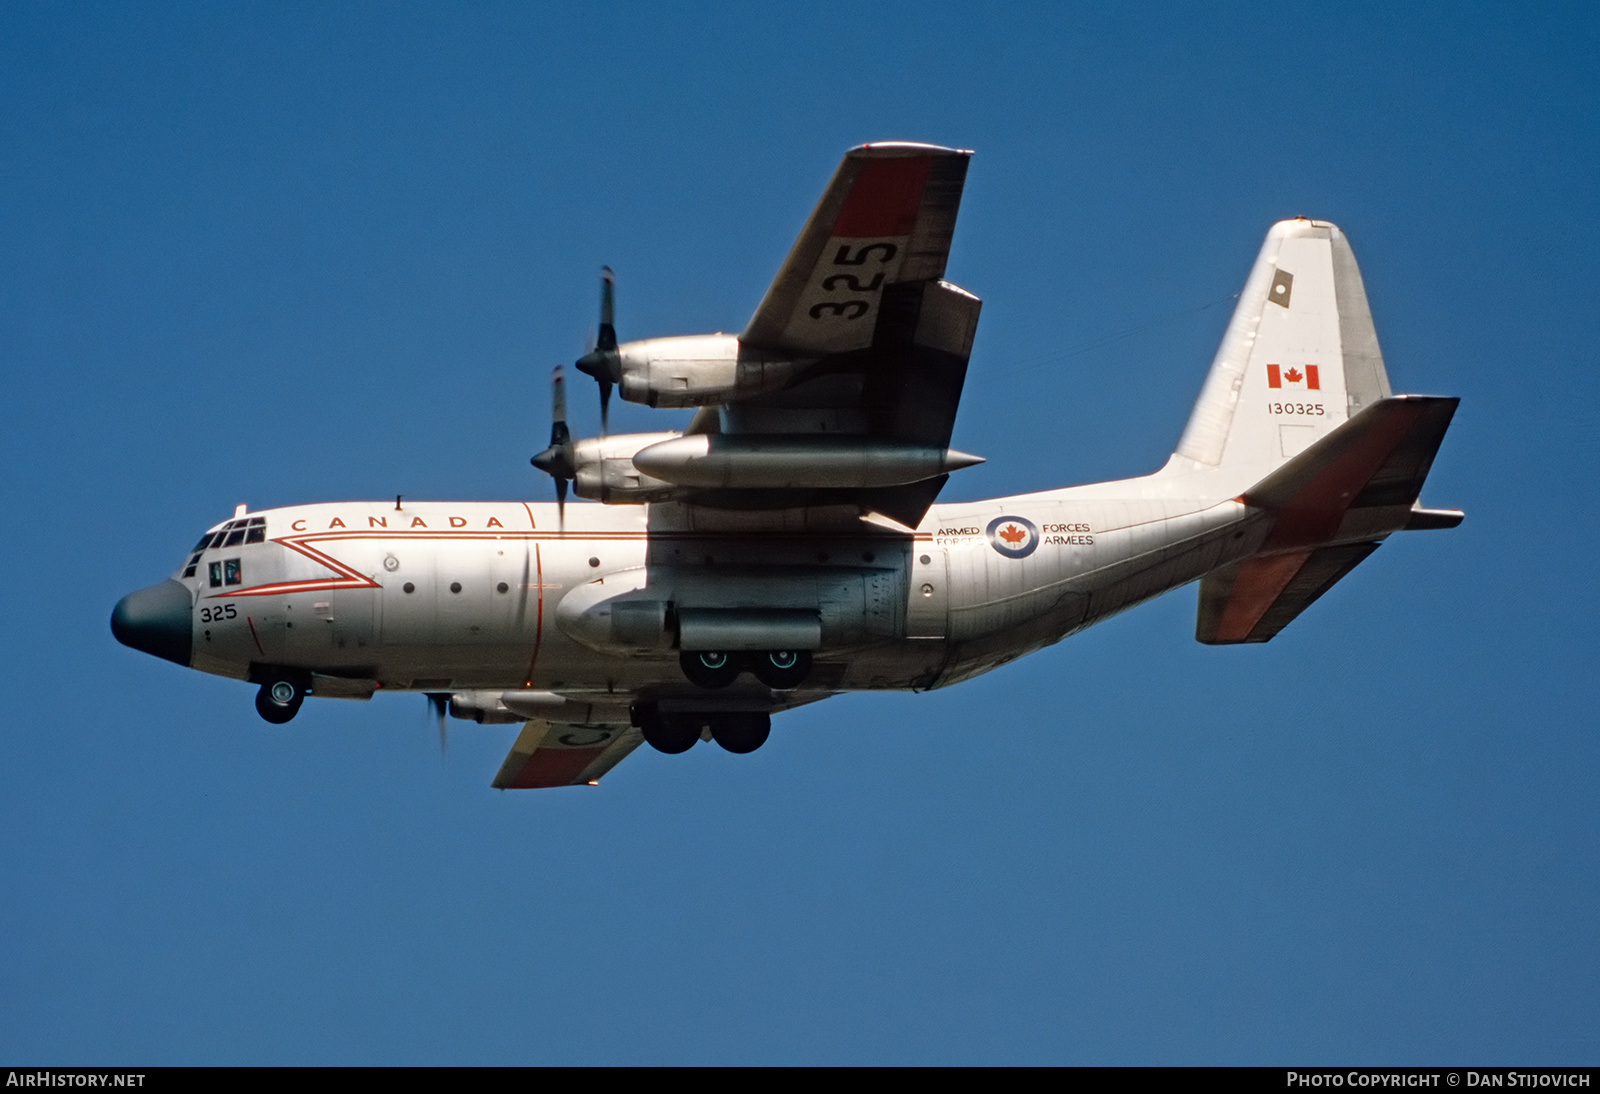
point(216, 575)
point(232, 573)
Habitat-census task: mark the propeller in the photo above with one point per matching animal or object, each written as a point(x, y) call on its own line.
point(603, 362)
point(439, 703)
point(557, 460)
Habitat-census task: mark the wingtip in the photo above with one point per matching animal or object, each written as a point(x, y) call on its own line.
point(905, 148)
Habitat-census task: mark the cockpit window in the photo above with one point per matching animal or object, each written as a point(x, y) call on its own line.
point(233, 533)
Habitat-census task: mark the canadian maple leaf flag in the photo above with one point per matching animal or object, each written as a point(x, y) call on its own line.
point(1277, 377)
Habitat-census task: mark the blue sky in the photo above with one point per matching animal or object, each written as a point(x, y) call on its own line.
point(276, 253)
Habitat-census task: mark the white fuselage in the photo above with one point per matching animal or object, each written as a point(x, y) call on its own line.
point(453, 596)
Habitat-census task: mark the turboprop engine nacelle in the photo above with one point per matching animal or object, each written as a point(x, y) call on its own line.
point(505, 707)
point(698, 369)
point(794, 462)
point(603, 469)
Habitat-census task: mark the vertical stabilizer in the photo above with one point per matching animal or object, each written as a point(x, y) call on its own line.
point(1300, 357)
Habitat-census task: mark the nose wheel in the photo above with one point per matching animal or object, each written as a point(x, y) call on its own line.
point(279, 699)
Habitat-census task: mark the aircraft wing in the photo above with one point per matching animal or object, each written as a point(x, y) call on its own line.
point(862, 294)
point(559, 754)
point(885, 219)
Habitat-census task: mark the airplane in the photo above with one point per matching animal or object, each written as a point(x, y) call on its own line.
point(787, 545)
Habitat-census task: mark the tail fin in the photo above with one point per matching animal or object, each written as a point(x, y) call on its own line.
point(1299, 359)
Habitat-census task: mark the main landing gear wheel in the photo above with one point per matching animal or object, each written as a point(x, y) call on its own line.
point(671, 733)
point(741, 732)
point(710, 668)
point(781, 670)
point(279, 700)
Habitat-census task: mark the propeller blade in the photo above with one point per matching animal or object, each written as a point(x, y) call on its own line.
point(603, 362)
point(558, 401)
point(608, 310)
point(558, 460)
point(439, 702)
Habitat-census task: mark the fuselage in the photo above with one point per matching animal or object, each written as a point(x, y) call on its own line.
point(595, 602)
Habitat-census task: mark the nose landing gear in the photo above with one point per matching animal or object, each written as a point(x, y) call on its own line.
point(279, 699)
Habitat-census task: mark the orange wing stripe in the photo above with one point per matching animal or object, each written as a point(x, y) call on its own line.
point(885, 199)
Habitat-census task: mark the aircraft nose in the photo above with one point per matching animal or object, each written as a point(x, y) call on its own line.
point(156, 620)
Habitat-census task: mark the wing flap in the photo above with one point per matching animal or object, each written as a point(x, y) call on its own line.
point(549, 754)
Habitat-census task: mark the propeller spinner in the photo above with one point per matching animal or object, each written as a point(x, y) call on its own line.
point(603, 362)
point(557, 460)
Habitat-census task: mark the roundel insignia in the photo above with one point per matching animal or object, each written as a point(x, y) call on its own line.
point(1014, 537)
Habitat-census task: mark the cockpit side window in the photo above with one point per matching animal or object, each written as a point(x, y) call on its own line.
point(230, 572)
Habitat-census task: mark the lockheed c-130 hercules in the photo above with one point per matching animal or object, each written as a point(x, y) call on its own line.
point(786, 546)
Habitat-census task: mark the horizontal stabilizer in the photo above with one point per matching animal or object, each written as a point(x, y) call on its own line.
point(555, 754)
point(1358, 484)
point(1375, 461)
point(1252, 600)
point(1424, 520)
